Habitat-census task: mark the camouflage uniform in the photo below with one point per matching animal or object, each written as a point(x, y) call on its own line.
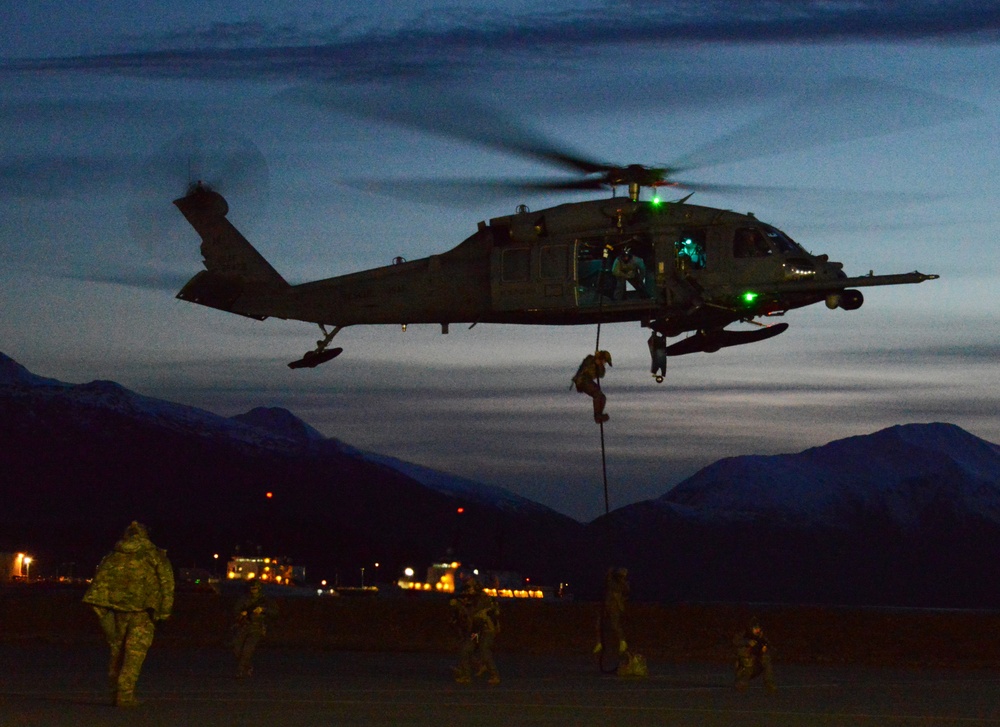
point(133, 586)
point(252, 612)
point(478, 619)
point(613, 610)
point(591, 369)
point(632, 269)
point(753, 658)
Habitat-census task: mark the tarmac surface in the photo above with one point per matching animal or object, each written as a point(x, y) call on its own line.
point(51, 685)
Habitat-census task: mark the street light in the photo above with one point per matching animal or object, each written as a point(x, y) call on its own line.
point(27, 569)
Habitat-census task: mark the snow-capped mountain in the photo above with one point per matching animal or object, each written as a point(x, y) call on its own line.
point(909, 515)
point(257, 427)
point(272, 427)
point(902, 472)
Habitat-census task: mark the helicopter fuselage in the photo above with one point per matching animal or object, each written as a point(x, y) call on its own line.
point(674, 266)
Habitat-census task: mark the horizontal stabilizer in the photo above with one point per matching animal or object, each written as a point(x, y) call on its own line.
point(216, 291)
point(710, 341)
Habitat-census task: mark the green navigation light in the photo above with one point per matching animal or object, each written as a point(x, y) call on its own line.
point(749, 297)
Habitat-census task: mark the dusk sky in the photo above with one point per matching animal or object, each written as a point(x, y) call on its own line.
point(880, 120)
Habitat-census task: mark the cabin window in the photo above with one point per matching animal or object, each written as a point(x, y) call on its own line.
point(516, 265)
point(690, 248)
point(553, 262)
point(750, 242)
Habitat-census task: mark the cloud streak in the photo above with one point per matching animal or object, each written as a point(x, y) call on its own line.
point(439, 44)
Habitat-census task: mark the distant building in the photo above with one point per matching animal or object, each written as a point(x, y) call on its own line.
point(449, 577)
point(13, 566)
point(267, 570)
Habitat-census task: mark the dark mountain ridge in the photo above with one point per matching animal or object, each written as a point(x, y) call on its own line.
point(908, 516)
point(81, 461)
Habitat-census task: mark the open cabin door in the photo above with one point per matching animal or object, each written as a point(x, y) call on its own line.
point(616, 271)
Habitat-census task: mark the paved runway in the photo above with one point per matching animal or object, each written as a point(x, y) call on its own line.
point(49, 685)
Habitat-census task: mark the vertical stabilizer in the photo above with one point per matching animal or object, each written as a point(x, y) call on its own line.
point(233, 267)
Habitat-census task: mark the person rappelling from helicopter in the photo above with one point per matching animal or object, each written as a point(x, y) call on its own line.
point(587, 381)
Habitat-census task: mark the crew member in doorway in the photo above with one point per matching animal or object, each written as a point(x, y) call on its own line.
point(587, 377)
point(629, 268)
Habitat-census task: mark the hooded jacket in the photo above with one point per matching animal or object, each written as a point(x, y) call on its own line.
point(135, 576)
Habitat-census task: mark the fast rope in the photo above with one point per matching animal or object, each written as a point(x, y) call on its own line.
point(597, 348)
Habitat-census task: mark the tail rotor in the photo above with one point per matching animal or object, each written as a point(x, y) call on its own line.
point(206, 157)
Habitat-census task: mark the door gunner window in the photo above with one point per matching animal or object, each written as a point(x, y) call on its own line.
point(690, 247)
point(553, 262)
point(516, 265)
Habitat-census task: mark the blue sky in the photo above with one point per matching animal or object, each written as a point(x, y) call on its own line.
point(903, 170)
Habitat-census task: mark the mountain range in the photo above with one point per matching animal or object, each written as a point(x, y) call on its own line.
point(906, 516)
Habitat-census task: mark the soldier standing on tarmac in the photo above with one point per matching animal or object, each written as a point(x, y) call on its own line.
point(611, 628)
point(133, 587)
point(252, 613)
point(753, 658)
point(478, 618)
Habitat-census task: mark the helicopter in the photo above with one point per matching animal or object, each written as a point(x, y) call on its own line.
point(673, 266)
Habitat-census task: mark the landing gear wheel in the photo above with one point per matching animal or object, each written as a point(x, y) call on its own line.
point(314, 358)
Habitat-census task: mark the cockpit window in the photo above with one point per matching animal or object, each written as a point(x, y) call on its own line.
point(750, 242)
point(782, 242)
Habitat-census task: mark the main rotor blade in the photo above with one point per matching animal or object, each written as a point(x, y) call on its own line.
point(848, 109)
point(469, 192)
point(451, 116)
point(47, 176)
